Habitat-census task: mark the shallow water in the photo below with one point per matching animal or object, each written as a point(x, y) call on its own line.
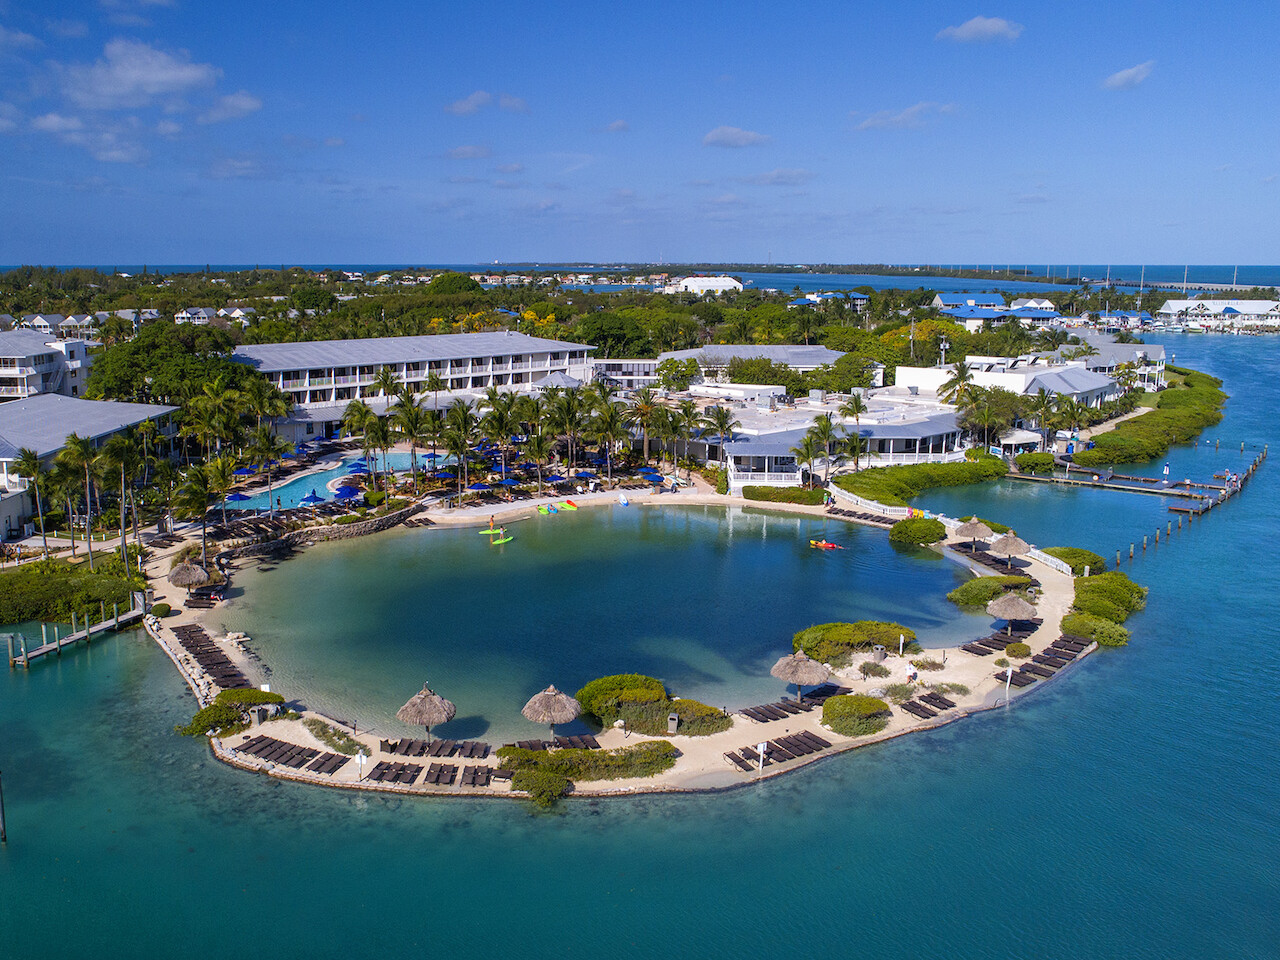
point(1125, 811)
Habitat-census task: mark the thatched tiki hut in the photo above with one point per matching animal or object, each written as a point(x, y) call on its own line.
point(426, 709)
point(802, 670)
point(551, 707)
point(974, 530)
point(1010, 607)
point(1011, 546)
point(188, 575)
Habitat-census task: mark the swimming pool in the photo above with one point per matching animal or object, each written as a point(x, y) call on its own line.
point(291, 492)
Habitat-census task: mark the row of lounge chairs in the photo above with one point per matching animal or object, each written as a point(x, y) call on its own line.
point(470, 749)
point(164, 540)
point(777, 750)
point(388, 772)
point(216, 664)
point(292, 755)
point(584, 742)
point(1045, 664)
point(928, 705)
point(417, 522)
point(874, 519)
point(441, 774)
point(787, 707)
point(980, 554)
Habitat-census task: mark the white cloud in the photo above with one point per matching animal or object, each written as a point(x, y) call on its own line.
point(982, 30)
point(507, 184)
point(734, 137)
point(17, 40)
point(510, 168)
point(727, 200)
point(513, 104)
point(470, 103)
point(167, 128)
point(57, 123)
point(781, 177)
point(133, 74)
point(618, 126)
point(231, 107)
point(1129, 78)
point(469, 151)
point(913, 117)
point(242, 167)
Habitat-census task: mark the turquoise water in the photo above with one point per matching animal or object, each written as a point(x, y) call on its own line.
point(291, 492)
point(1126, 811)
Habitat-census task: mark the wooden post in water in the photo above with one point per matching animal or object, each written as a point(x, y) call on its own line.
point(26, 661)
point(74, 629)
point(1216, 444)
point(57, 638)
point(102, 611)
point(1179, 523)
point(1144, 543)
point(1131, 551)
point(1117, 559)
point(116, 608)
point(12, 662)
point(1157, 534)
point(1169, 529)
point(4, 832)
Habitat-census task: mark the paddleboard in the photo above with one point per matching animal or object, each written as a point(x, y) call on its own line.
point(543, 510)
point(824, 545)
point(483, 532)
point(552, 509)
point(503, 540)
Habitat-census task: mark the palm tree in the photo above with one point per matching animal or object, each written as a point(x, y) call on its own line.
point(644, 406)
point(264, 400)
point(460, 433)
point(28, 465)
point(687, 419)
point(722, 421)
point(385, 382)
point(1070, 412)
point(857, 446)
point(193, 500)
point(379, 435)
point(608, 428)
point(435, 383)
point(221, 474)
point(664, 429)
point(266, 448)
point(500, 420)
point(409, 418)
point(121, 454)
point(956, 389)
point(824, 434)
point(79, 454)
point(166, 479)
point(355, 421)
point(538, 448)
point(63, 483)
point(1042, 407)
point(568, 416)
point(806, 452)
point(853, 409)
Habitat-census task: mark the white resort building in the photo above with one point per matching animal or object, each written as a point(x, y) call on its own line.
point(321, 377)
point(1023, 376)
point(704, 285)
point(33, 363)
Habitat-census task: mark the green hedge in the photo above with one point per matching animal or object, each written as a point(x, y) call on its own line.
point(1105, 632)
point(221, 718)
point(247, 697)
point(855, 714)
point(1078, 559)
point(1018, 650)
point(995, 527)
point(894, 486)
point(980, 591)
point(1181, 413)
point(543, 786)
point(1111, 596)
point(602, 698)
point(835, 643)
point(1034, 462)
point(813, 498)
point(160, 609)
point(547, 774)
point(51, 590)
point(696, 719)
point(917, 530)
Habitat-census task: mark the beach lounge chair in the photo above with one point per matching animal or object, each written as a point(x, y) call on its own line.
point(814, 739)
point(977, 650)
point(749, 754)
point(780, 752)
point(738, 762)
point(1036, 669)
point(1053, 663)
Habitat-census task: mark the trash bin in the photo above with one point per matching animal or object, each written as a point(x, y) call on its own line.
point(877, 652)
point(673, 721)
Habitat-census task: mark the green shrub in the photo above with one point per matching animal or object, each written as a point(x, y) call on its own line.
point(917, 530)
point(601, 698)
point(640, 760)
point(812, 498)
point(855, 714)
point(995, 527)
point(834, 643)
point(899, 692)
point(1019, 651)
point(1078, 559)
point(869, 668)
point(1034, 462)
point(248, 697)
point(374, 497)
point(718, 477)
point(543, 786)
point(1111, 596)
point(221, 718)
point(696, 719)
point(1105, 632)
point(894, 486)
point(51, 590)
point(160, 609)
point(333, 738)
point(927, 664)
point(1001, 662)
point(980, 591)
point(957, 688)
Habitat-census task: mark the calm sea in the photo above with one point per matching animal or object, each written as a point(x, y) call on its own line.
point(1127, 811)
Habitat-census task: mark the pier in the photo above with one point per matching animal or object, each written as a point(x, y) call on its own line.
point(20, 654)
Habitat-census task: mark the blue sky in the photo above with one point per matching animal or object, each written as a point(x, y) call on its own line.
point(166, 131)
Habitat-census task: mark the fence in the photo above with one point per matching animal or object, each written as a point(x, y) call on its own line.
point(845, 495)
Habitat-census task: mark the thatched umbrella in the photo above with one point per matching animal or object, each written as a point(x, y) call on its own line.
point(975, 530)
point(1010, 607)
point(1011, 546)
point(189, 575)
point(801, 669)
point(426, 709)
point(551, 707)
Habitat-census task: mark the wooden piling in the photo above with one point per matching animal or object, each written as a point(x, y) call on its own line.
point(1169, 530)
point(1117, 559)
point(4, 830)
point(1144, 543)
point(1131, 550)
point(116, 607)
point(1157, 534)
point(12, 662)
point(26, 662)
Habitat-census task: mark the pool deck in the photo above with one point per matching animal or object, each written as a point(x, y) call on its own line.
point(702, 765)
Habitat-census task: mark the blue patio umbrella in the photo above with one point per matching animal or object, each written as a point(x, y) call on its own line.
point(585, 475)
point(244, 472)
point(509, 482)
point(359, 469)
point(554, 478)
point(310, 500)
point(445, 475)
point(432, 456)
point(479, 486)
point(528, 465)
point(345, 493)
point(236, 497)
point(654, 478)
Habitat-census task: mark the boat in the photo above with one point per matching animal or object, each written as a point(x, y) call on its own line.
point(552, 509)
point(570, 505)
point(825, 545)
point(623, 501)
point(507, 539)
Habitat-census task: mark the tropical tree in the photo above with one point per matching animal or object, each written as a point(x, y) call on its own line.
point(722, 421)
point(221, 475)
point(164, 481)
point(460, 434)
point(853, 409)
point(409, 418)
point(500, 419)
point(856, 446)
point(665, 430)
point(267, 448)
point(538, 448)
point(379, 435)
point(824, 434)
point(568, 417)
point(957, 387)
point(28, 466)
point(806, 452)
point(1070, 413)
point(78, 454)
point(122, 455)
point(194, 496)
point(609, 428)
point(355, 421)
point(264, 400)
point(63, 483)
point(385, 382)
point(434, 384)
point(1042, 407)
point(644, 407)
point(688, 420)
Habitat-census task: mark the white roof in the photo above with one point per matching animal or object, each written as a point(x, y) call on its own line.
point(44, 421)
point(1219, 307)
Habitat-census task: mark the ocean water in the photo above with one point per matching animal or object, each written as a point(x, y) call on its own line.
point(1126, 811)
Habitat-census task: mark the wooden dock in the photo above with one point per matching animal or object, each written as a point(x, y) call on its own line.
point(22, 655)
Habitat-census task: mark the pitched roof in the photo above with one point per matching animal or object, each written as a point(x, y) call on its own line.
point(44, 421)
point(1069, 380)
point(23, 343)
point(793, 355)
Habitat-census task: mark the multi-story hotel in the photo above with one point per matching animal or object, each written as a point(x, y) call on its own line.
point(33, 363)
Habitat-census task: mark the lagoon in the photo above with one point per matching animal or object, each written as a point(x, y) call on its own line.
point(1126, 811)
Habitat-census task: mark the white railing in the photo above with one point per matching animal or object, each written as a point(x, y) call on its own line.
point(1052, 562)
point(750, 479)
point(888, 511)
point(13, 391)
